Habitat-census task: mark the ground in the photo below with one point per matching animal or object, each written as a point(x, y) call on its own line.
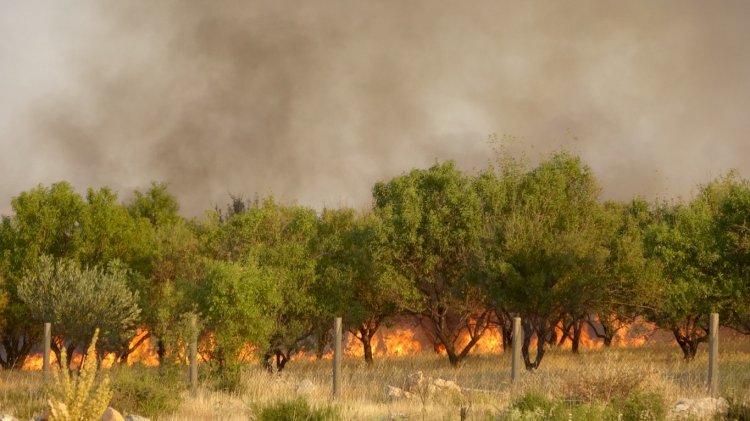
point(595, 377)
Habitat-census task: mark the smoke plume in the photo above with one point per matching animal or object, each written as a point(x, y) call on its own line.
point(315, 101)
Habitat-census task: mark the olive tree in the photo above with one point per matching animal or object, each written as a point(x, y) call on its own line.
point(78, 300)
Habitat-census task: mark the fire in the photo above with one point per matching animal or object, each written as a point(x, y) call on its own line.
point(144, 353)
point(402, 339)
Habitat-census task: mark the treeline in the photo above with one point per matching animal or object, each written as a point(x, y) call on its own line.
point(459, 252)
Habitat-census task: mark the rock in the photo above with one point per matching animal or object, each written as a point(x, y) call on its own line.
point(133, 417)
point(395, 394)
point(111, 414)
point(414, 381)
point(446, 385)
point(6, 417)
point(305, 387)
point(705, 408)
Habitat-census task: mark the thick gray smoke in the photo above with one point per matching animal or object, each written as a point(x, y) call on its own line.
point(315, 101)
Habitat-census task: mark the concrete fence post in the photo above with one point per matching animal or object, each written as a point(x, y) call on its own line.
point(713, 355)
point(515, 367)
point(193, 354)
point(47, 344)
point(337, 357)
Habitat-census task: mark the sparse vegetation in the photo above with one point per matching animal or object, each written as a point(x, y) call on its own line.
point(297, 409)
point(149, 392)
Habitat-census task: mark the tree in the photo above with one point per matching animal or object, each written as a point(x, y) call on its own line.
point(548, 252)
point(682, 239)
point(172, 267)
point(430, 232)
point(628, 283)
point(733, 232)
point(280, 239)
point(46, 220)
point(79, 300)
point(237, 302)
point(354, 282)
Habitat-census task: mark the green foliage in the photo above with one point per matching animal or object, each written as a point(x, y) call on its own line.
point(296, 410)
point(533, 401)
point(77, 301)
point(545, 251)
point(430, 232)
point(146, 391)
point(635, 407)
point(237, 303)
point(644, 406)
point(355, 284)
point(278, 240)
point(74, 397)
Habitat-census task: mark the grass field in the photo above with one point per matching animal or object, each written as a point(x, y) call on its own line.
point(592, 385)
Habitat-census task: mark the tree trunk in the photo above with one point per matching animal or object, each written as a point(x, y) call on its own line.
point(161, 351)
point(577, 331)
point(543, 336)
point(17, 348)
point(367, 346)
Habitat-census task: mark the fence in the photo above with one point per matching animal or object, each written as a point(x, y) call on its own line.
point(516, 370)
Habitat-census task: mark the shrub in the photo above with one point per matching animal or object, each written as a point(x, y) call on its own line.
point(296, 410)
point(150, 392)
point(74, 398)
point(226, 378)
point(614, 383)
point(738, 411)
point(641, 406)
point(533, 401)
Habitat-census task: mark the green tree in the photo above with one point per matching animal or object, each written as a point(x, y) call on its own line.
point(733, 230)
point(77, 301)
point(431, 222)
point(280, 239)
point(45, 220)
point(548, 251)
point(682, 239)
point(627, 288)
point(237, 302)
point(354, 282)
point(171, 269)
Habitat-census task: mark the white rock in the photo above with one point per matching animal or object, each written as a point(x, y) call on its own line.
point(305, 387)
point(446, 385)
point(6, 417)
point(394, 393)
point(111, 414)
point(704, 408)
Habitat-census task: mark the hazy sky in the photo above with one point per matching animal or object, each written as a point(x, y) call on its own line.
point(315, 101)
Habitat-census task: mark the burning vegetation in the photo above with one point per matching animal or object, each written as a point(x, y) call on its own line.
point(441, 263)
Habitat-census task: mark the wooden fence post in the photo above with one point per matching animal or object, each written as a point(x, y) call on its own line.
point(193, 354)
point(516, 350)
point(713, 355)
point(47, 344)
point(337, 357)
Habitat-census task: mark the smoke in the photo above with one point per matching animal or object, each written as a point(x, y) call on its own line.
point(315, 101)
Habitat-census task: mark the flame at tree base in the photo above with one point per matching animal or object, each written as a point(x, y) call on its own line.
point(402, 339)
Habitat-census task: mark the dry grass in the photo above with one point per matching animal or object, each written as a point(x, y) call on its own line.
point(593, 376)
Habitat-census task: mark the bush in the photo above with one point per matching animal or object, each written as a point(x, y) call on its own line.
point(296, 410)
point(640, 406)
point(644, 406)
point(738, 411)
point(150, 392)
point(613, 383)
point(533, 401)
point(225, 379)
